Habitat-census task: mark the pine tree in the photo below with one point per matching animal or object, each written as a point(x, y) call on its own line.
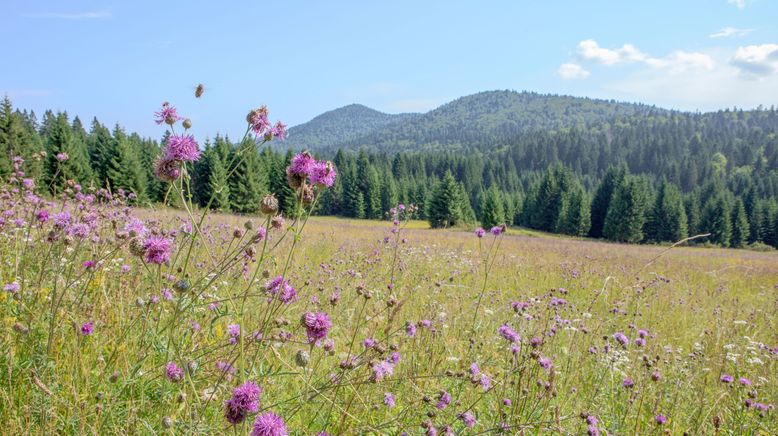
point(248, 182)
point(626, 213)
point(372, 195)
point(59, 140)
point(492, 212)
point(740, 228)
point(666, 219)
point(100, 146)
point(218, 184)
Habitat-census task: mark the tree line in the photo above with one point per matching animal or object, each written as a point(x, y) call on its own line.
point(736, 203)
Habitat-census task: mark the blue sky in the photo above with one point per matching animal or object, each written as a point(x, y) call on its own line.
point(119, 60)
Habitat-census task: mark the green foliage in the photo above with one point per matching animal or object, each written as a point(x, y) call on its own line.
point(716, 220)
point(740, 228)
point(492, 208)
point(447, 205)
point(626, 214)
point(666, 220)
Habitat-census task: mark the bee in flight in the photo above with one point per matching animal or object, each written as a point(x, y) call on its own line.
point(199, 89)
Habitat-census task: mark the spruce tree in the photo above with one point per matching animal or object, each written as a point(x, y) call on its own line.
point(740, 228)
point(602, 198)
point(444, 208)
point(247, 182)
point(717, 220)
point(626, 213)
point(123, 168)
point(574, 218)
point(492, 211)
point(666, 219)
point(60, 141)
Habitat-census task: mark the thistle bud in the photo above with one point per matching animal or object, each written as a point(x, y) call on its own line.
point(302, 358)
point(277, 223)
point(307, 195)
point(269, 205)
point(187, 123)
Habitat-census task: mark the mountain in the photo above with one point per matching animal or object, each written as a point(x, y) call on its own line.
point(342, 125)
point(480, 121)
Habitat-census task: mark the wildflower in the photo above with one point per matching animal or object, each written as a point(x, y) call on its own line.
point(474, 370)
point(269, 205)
point(394, 358)
point(726, 378)
point(640, 342)
point(369, 343)
point(279, 130)
point(660, 419)
point(245, 399)
point(389, 400)
point(744, 381)
point(42, 216)
point(11, 287)
point(234, 331)
point(656, 375)
point(628, 383)
point(485, 382)
point(506, 402)
point(182, 148)
point(443, 400)
point(468, 419)
point(173, 372)
point(480, 232)
point(316, 325)
point(621, 338)
point(269, 424)
point(156, 250)
point(508, 333)
point(226, 369)
point(80, 231)
point(497, 230)
point(302, 165)
point(323, 174)
point(88, 264)
point(381, 369)
point(62, 157)
point(87, 328)
point(258, 121)
point(545, 363)
point(166, 169)
point(278, 286)
point(410, 330)
point(642, 333)
point(167, 115)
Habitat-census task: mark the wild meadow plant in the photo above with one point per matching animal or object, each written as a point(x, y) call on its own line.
point(123, 320)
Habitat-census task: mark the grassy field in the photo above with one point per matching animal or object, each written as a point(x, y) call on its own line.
point(432, 331)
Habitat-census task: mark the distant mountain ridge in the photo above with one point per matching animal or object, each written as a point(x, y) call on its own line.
point(481, 121)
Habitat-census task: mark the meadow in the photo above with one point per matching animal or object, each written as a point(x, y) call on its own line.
point(125, 320)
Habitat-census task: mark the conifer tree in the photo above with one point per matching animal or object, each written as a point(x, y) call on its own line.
point(445, 205)
point(492, 211)
point(123, 168)
point(626, 213)
point(666, 219)
point(717, 220)
point(602, 198)
point(740, 228)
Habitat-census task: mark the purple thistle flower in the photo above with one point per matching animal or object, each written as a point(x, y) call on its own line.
point(474, 370)
point(726, 378)
point(316, 325)
point(323, 173)
point(258, 121)
point(485, 382)
point(166, 169)
point(79, 230)
point(480, 232)
point(545, 362)
point(642, 333)
point(87, 328)
point(269, 424)
point(621, 338)
point(389, 400)
point(744, 381)
point(245, 399)
point(279, 130)
point(368, 343)
point(508, 333)
point(506, 402)
point(182, 148)
point(468, 419)
point(156, 249)
point(302, 165)
point(286, 293)
point(62, 157)
point(380, 370)
point(173, 372)
point(640, 342)
point(42, 216)
point(62, 220)
point(443, 400)
point(496, 230)
point(628, 383)
point(410, 330)
point(394, 358)
point(660, 419)
point(167, 115)
point(234, 331)
point(12, 287)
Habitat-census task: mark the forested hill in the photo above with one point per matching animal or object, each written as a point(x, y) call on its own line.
point(476, 122)
point(345, 124)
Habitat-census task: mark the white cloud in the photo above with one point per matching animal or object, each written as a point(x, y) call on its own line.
point(92, 15)
point(730, 31)
point(589, 50)
point(570, 71)
point(741, 4)
point(754, 61)
point(676, 63)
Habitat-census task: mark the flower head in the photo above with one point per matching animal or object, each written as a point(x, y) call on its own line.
point(269, 424)
point(245, 399)
point(156, 249)
point(87, 328)
point(182, 148)
point(726, 378)
point(167, 115)
point(508, 333)
point(317, 324)
point(323, 174)
point(173, 372)
point(480, 232)
point(389, 400)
